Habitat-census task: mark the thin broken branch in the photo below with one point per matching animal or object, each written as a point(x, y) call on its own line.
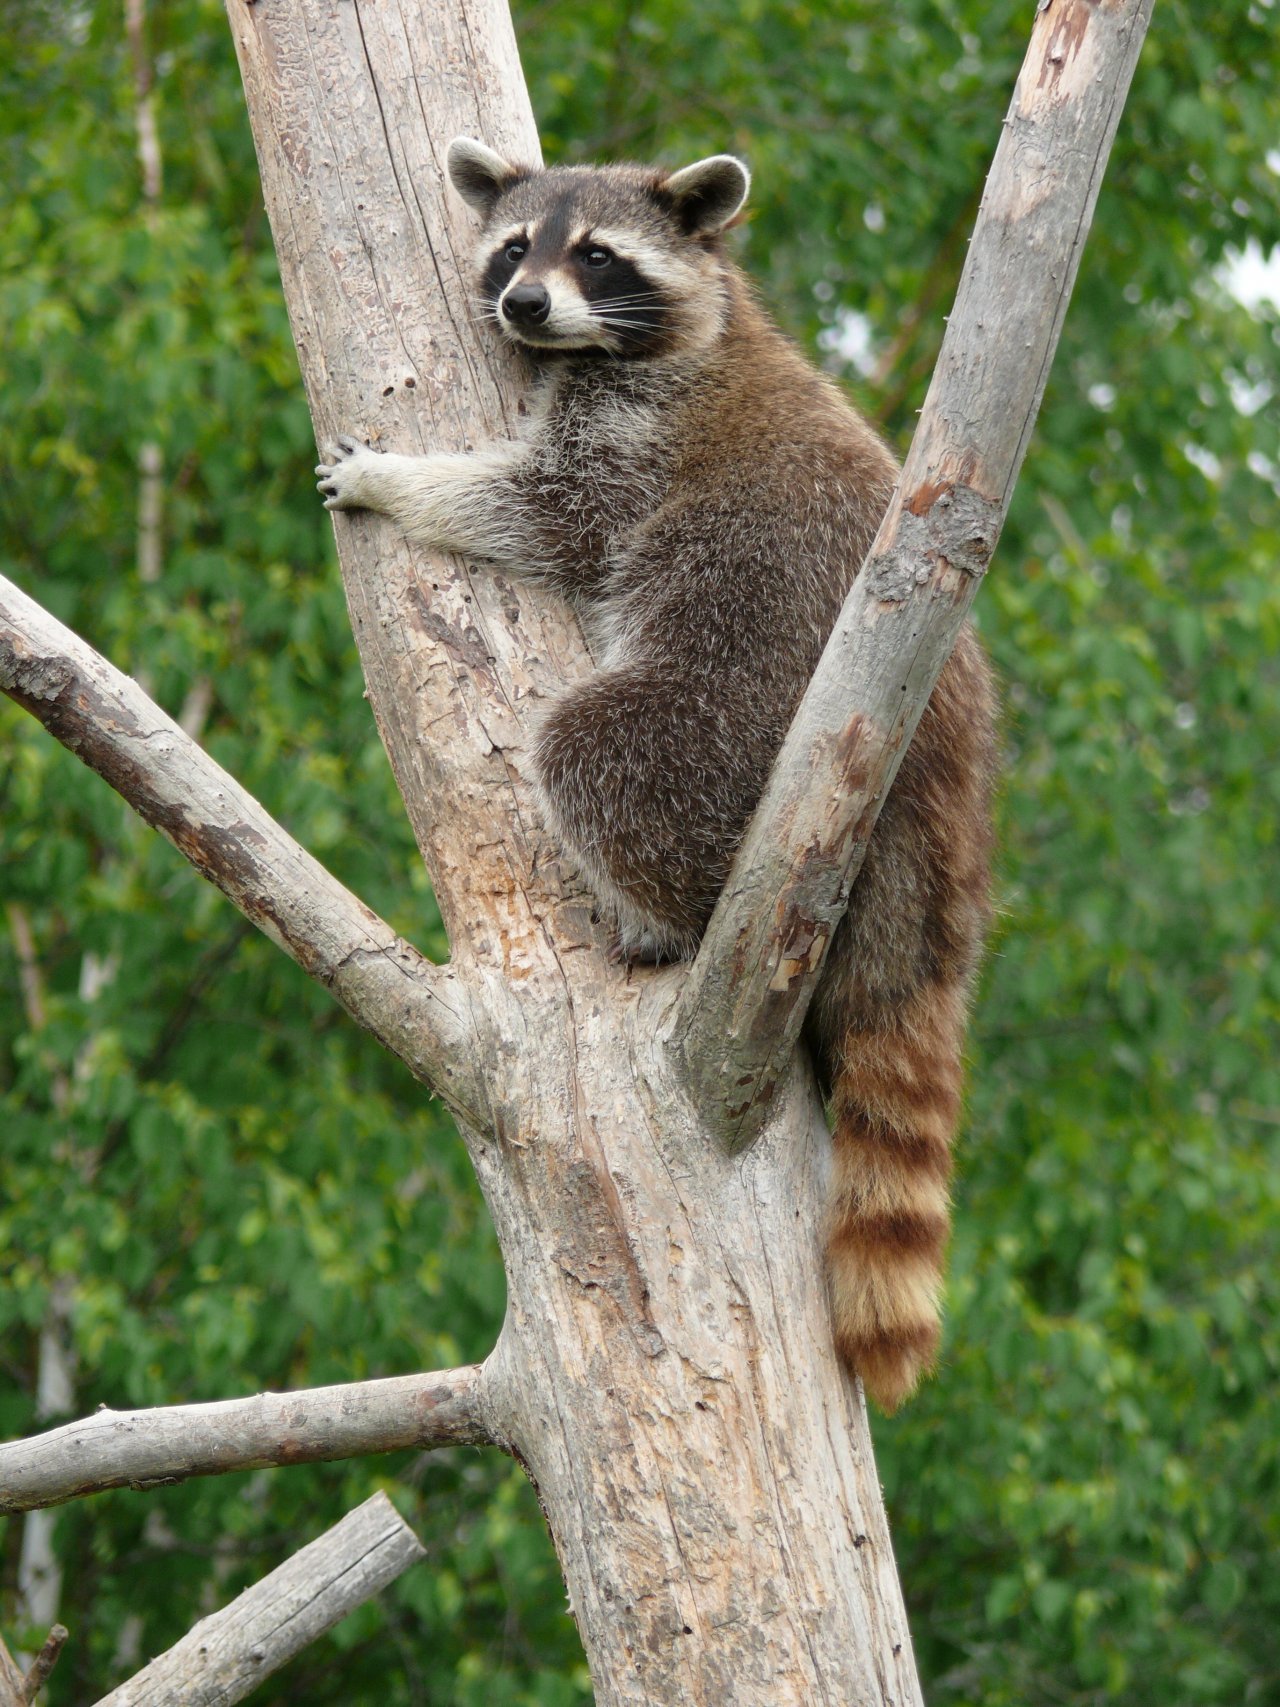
point(226, 1656)
point(740, 1012)
point(419, 1011)
point(43, 1664)
point(153, 1448)
point(19, 1691)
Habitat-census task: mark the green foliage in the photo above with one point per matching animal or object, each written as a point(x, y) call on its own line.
point(241, 1192)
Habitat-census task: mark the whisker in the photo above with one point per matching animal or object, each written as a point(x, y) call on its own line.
point(619, 323)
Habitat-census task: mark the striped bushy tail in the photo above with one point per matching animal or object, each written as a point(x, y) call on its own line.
point(895, 1098)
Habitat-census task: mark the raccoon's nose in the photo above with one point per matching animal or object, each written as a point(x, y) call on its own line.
point(527, 304)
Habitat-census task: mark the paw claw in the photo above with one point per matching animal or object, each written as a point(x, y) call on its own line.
point(338, 475)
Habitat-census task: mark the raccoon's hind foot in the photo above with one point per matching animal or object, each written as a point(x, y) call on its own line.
point(647, 952)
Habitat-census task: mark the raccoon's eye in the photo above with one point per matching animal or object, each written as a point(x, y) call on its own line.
point(596, 256)
point(517, 251)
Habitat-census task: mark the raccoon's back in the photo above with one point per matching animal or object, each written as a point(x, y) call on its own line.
point(772, 493)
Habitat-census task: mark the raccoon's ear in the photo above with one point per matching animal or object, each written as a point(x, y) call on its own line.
point(709, 193)
point(477, 173)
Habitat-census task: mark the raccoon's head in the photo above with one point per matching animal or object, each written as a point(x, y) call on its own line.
point(615, 260)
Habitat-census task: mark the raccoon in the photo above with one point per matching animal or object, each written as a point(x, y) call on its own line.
point(705, 498)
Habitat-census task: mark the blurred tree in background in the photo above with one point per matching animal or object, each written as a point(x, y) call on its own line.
point(213, 1183)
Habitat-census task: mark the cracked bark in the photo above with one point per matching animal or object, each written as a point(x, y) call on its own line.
point(227, 1655)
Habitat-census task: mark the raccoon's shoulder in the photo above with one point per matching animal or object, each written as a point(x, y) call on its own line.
point(764, 410)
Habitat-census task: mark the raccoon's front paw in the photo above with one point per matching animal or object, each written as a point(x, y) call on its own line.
point(345, 479)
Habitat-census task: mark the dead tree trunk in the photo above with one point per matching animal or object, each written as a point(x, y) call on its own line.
point(651, 1150)
point(665, 1371)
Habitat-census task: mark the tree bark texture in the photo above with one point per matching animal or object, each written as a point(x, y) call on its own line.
point(12, 1680)
point(665, 1371)
point(227, 1655)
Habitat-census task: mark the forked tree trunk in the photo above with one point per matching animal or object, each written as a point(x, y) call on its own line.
point(651, 1148)
point(665, 1371)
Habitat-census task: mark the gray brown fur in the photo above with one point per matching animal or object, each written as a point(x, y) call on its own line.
point(705, 498)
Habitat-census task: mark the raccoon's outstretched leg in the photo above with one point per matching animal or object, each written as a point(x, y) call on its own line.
point(468, 503)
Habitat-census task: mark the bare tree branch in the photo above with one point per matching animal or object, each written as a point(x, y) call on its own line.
point(740, 1012)
point(226, 1656)
point(148, 1449)
point(419, 1011)
point(19, 1691)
